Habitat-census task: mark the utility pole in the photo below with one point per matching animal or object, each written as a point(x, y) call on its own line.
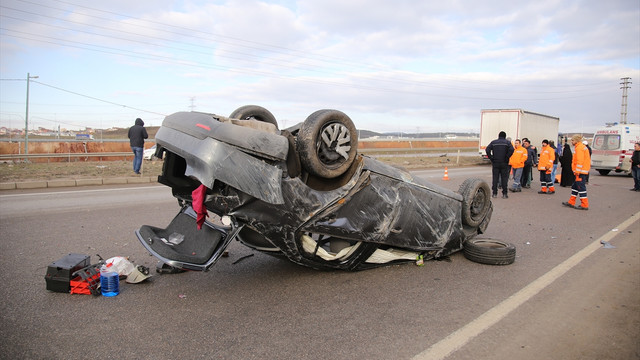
point(192, 106)
point(26, 119)
point(626, 81)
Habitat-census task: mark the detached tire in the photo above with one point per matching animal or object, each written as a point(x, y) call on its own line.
point(489, 251)
point(327, 143)
point(476, 201)
point(254, 111)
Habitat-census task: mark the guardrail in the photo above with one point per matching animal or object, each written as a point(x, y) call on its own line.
point(125, 155)
point(20, 140)
point(5, 157)
point(415, 150)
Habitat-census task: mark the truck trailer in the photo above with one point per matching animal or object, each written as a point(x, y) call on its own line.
point(517, 123)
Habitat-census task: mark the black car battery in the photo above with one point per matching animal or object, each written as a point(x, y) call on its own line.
point(59, 273)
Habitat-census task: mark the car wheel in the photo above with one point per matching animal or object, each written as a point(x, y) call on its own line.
point(476, 201)
point(327, 142)
point(604, 172)
point(489, 251)
point(256, 112)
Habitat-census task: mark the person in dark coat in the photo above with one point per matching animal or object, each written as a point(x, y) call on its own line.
point(532, 161)
point(499, 151)
point(556, 161)
point(635, 166)
point(137, 134)
point(566, 177)
point(586, 177)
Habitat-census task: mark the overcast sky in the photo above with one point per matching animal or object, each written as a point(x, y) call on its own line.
point(392, 66)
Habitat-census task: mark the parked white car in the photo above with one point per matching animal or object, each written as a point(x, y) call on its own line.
point(149, 154)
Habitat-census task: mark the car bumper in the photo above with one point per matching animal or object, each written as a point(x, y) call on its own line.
point(240, 157)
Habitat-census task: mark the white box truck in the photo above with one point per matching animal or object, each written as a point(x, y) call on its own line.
point(517, 123)
point(612, 147)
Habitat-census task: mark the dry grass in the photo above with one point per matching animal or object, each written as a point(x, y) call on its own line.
point(10, 172)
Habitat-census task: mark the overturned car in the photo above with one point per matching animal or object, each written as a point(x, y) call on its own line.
point(303, 193)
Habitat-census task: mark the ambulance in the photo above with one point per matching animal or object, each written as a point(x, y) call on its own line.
point(613, 146)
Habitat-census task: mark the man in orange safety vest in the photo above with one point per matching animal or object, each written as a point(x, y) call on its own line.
point(517, 164)
point(580, 165)
point(545, 165)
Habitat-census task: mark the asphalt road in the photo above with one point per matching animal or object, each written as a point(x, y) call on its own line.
point(565, 297)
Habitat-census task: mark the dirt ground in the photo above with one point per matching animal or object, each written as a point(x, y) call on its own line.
point(10, 172)
point(103, 169)
point(424, 162)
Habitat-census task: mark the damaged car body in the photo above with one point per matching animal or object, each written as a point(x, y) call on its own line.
point(303, 193)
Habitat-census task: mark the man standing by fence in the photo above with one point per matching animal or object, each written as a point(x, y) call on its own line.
point(137, 134)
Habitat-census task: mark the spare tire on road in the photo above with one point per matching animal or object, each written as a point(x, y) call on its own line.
point(489, 251)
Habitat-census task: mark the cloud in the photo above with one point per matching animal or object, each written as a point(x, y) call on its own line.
point(399, 65)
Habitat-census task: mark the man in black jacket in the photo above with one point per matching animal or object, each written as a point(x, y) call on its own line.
point(499, 151)
point(532, 161)
point(137, 134)
point(635, 166)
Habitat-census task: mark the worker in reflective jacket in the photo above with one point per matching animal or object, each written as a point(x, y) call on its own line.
point(545, 165)
point(517, 164)
point(580, 165)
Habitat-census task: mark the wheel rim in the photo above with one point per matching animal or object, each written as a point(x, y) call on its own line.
point(479, 203)
point(334, 144)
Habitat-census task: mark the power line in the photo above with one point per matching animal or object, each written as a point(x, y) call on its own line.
point(247, 57)
point(273, 49)
point(166, 59)
point(233, 41)
point(192, 33)
point(97, 99)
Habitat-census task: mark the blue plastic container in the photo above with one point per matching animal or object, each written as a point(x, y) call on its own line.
point(109, 282)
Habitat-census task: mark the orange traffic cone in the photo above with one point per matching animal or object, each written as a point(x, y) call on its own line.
point(446, 174)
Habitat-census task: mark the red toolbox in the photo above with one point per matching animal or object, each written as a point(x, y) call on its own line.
point(86, 281)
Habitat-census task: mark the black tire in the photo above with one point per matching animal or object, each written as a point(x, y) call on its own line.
point(489, 251)
point(327, 143)
point(604, 172)
point(254, 111)
point(476, 201)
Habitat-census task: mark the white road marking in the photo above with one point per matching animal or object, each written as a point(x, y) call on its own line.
point(462, 336)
